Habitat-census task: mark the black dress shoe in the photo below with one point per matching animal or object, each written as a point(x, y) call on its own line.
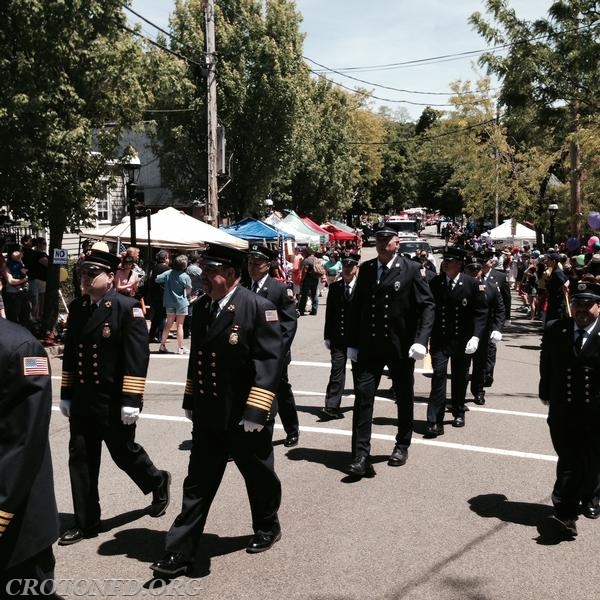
point(161, 496)
point(591, 512)
point(72, 536)
point(291, 440)
point(433, 430)
point(328, 414)
point(171, 564)
point(554, 530)
point(262, 541)
point(479, 399)
point(458, 422)
point(360, 467)
point(398, 458)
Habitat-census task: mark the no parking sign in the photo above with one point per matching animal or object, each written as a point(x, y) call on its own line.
point(61, 257)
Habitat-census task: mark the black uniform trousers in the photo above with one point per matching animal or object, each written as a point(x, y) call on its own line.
point(252, 453)
point(337, 376)
point(85, 449)
point(286, 404)
point(483, 361)
point(368, 375)
point(577, 445)
point(36, 574)
point(459, 365)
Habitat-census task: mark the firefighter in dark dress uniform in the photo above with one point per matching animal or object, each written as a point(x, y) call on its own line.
point(259, 262)
point(493, 330)
point(460, 321)
point(570, 384)
point(104, 373)
point(492, 275)
point(28, 516)
point(392, 313)
point(335, 334)
point(236, 359)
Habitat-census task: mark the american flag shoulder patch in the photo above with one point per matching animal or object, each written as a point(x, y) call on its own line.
point(35, 365)
point(138, 313)
point(271, 315)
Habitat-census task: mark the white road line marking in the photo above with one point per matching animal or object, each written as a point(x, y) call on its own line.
point(380, 436)
point(498, 411)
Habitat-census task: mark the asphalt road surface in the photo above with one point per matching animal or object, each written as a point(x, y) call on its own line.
point(458, 521)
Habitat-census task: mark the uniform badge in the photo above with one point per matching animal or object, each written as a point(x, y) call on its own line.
point(108, 303)
point(271, 315)
point(106, 331)
point(234, 338)
point(290, 293)
point(396, 286)
point(84, 303)
point(464, 301)
point(482, 288)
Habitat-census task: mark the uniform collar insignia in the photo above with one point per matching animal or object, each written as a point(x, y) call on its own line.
point(231, 307)
point(108, 303)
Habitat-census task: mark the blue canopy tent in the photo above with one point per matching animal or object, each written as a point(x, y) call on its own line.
point(255, 230)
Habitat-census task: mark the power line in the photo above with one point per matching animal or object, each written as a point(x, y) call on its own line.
point(387, 87)
point(392, 100)
point(426, 137)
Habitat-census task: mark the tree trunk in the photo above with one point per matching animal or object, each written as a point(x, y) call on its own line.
point(51, 302)
point(575, 189)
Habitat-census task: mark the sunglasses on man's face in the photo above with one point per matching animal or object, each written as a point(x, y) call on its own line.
point(91, 273)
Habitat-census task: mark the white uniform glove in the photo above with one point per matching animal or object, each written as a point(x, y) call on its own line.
point(417, 351)
point(65, 407)
point(250, 426)
point(352, 354)
point(327, 344)
point(495, 337)
point(188, 414)
point(472, 345)
point(129, 415)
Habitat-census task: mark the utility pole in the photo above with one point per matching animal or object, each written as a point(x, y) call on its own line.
point(212, 202)
point(496, 166)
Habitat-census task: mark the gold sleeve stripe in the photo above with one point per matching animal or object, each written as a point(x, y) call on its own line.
point(134, 385)
point(67, 378)
point(6, 515)
point(259, 402)
point(261, 394)
point(261, 406)
point(189, 388)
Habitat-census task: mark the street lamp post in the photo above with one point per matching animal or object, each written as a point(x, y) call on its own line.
point(131, 170)
point(552, 210)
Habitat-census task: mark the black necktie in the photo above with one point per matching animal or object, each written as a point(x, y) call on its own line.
point(384, 270)
point(214, 309)
point(255, 287)
point(450, 285)
point(93, 307)
point(347, 291)
point(579, 340)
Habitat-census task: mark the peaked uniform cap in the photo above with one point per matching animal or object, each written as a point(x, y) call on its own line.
point(261, 252)
point(217, 255)
point(586, 290)
point(101, 259)
point(353, 258)
point(454, 253)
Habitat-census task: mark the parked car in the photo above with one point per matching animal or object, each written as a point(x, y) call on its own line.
point(411, 247)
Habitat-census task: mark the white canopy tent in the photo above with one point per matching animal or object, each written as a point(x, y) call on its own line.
point(301, 237)
point(169, 228)
point(503, 233)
